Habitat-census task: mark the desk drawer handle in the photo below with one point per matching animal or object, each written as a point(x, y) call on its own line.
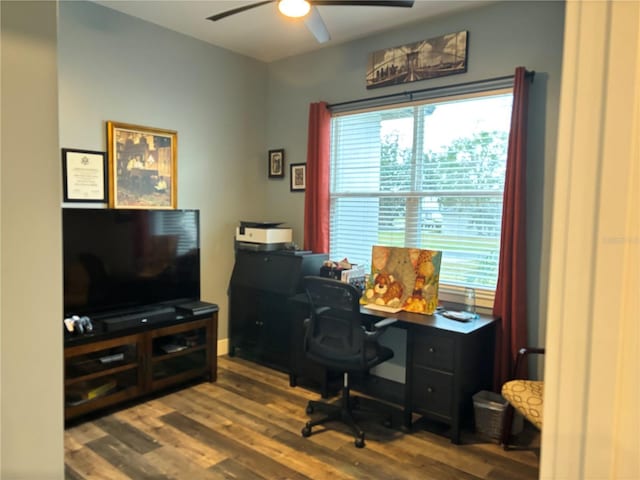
point(429, 389)
point(432, 350)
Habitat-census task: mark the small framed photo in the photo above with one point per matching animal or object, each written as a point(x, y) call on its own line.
point(298, 177)
point(84, 174)
point(276, 163)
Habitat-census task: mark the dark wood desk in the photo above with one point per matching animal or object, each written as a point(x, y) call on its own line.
point(447, 362)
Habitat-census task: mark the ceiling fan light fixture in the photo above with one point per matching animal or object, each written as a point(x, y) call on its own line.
point(294, 8)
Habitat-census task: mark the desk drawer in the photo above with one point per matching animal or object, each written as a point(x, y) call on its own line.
point(434, 352)
point(433, 392)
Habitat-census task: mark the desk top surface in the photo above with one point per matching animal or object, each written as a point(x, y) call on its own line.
point(435, 321)
point(430, 321)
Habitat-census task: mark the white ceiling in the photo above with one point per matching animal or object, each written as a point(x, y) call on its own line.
point(263, 33)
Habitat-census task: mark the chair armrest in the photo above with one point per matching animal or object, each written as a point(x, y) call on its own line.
point(378, 328)
point(384, 323)
point(522, 354)
point(528, 350)
point(317, 311)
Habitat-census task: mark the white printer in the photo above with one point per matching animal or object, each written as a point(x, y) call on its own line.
point(263, 236)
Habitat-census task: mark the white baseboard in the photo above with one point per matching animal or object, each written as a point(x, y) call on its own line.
point(223, 346)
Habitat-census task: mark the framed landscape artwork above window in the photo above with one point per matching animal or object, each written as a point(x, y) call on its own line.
point(435, 57)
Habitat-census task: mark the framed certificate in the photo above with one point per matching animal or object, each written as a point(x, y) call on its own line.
point(84, 176)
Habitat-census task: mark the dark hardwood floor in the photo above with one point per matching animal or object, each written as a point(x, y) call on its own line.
point(247, 426)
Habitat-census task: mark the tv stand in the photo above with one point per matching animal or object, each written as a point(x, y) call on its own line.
point(112, 366)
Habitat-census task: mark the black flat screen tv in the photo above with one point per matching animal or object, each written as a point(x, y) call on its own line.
point(118, 261)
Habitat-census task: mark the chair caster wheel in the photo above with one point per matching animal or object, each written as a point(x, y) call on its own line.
point(309, 409)
point(359, 443)
point(306, 431)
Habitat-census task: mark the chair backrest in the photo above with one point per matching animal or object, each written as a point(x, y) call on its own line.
point(334, 335)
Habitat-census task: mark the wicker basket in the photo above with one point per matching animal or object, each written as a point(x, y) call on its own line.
point(489, 409)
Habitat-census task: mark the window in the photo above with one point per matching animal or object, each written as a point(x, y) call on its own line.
point(425, 175)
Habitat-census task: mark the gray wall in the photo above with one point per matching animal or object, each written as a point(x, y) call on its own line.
point(502, 36)
point(228, 110)
point(116, 67)
point(31, 444)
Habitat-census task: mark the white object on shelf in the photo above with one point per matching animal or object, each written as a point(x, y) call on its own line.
point(264, 235)
point(112, 358)
point(171, 348)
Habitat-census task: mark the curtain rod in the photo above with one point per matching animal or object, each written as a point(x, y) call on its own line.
point(529, 74)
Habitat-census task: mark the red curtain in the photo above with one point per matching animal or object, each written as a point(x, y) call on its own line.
point(316, 200)
point(510, 305)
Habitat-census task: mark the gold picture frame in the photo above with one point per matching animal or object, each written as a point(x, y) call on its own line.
point(142, 166)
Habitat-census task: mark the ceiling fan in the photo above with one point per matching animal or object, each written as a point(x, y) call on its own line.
point(308, 10)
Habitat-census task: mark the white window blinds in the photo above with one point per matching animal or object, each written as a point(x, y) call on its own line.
point(427, 175)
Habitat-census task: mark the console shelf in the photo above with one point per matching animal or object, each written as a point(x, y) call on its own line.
point(108, 368)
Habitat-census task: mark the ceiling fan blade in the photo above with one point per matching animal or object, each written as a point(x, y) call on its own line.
point(228, 13)
point(315, 24)
point(365, 3)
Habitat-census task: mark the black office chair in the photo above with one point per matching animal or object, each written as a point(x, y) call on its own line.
point(335, 337)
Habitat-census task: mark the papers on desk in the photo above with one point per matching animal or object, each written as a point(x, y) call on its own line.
point(382, 308)
point(459, 316)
